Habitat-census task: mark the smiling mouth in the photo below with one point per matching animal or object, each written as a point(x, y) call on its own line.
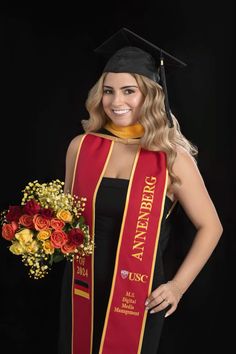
point(120, 111)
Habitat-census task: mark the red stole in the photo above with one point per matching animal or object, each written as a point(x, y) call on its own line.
point(136, 251)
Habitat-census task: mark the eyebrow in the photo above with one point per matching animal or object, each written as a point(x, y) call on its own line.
point(123, 87)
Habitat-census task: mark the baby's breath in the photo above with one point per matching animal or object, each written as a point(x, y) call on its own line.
point(51, 195)
point(39, 253)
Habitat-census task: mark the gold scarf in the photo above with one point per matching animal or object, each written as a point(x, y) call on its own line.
point(131, 131)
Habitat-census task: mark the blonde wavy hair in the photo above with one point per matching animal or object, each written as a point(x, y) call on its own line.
point(157, 136)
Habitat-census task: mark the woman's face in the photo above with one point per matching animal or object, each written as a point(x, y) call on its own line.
point(122, 99)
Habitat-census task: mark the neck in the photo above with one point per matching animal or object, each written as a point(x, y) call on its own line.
point(131, 131)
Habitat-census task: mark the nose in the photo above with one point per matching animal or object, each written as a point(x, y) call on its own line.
point(117, 99)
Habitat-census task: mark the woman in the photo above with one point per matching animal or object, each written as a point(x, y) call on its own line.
point(133, 164)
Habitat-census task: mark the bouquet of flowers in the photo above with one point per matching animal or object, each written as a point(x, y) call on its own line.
point(47, 227)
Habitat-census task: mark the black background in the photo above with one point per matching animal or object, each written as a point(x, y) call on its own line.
point(47, 68)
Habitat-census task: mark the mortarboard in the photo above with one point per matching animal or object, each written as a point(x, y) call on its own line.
point(128, 52)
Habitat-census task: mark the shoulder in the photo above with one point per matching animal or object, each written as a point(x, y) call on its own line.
point(73, 147)
point(76, 141)
point(185, 167)
point(74, 144)
point(183, 160)
point(71, 155)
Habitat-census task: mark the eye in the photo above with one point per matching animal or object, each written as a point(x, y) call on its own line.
point(107, 91)
point(128, 91)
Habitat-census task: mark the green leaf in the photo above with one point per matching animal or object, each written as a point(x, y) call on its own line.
point(58, 258)
point(81, 219)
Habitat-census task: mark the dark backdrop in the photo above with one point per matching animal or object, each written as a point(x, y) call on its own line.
point(48, 66)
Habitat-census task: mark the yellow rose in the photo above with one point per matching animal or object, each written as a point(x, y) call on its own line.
point(32, 247)
point(44, 235)
point(48, 247)
point(17, 248)
point(64, 215)
point(24, 236)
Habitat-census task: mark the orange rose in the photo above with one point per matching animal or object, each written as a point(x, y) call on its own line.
point(41, 223)
point(26, 220)
point(58, 238)
point(68, 247)
point(14, 225)
point(57, 224)
point(8, 231)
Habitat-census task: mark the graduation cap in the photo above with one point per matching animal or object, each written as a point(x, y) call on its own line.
point(128, 52)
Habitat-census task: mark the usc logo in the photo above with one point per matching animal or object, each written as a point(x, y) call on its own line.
point(138, 277)
point(134, 276)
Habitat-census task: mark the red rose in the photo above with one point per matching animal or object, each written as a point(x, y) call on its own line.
point(58, 238)
point(41, 223)
point(14, 213)
point(26, 220)
point(47, 213)
point(76, 236)
point(57, 224)
point(8, 231)
point(31, 207)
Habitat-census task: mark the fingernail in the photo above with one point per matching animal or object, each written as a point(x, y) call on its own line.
point(146, 303)
point(166, 314)
point(152, 311)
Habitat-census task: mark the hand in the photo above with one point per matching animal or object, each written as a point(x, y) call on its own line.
point(165, 295)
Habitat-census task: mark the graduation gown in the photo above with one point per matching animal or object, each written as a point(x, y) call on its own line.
point(109, 208)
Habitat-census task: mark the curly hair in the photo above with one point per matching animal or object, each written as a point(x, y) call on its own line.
point(157, 134)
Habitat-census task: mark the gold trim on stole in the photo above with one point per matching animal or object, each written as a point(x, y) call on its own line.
point(153, 261)
point(72, 285)
point(118, 249)
point(79, 292)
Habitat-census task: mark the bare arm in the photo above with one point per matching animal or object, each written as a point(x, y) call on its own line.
point(198, 206)
point(70, 162)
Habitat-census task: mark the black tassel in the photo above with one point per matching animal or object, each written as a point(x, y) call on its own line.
point(164, 86)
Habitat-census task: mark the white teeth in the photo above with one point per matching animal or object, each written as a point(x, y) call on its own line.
point(123, 111)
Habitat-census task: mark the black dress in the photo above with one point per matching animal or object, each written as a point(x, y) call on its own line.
point(109, 207)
